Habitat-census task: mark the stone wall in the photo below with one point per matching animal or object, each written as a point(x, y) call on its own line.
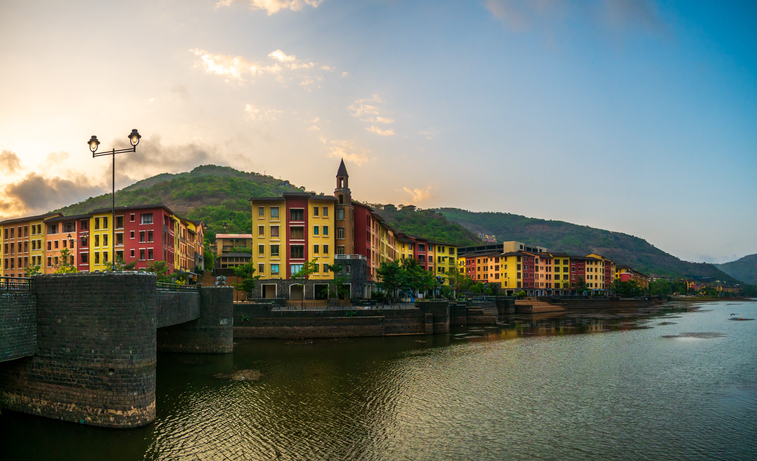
point(261, 321)
point(440, 312)
point(606, 303)
point(18, 325)
point(211, 333)
point(174, 307)
point(95, 362)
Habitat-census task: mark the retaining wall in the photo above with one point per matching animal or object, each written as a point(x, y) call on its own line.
point(18, 325)
point(174, 307)
point(211, 333)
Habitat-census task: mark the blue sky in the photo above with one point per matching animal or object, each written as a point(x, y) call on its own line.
point(629, 115)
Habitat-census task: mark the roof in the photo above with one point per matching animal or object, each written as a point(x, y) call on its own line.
point(342, 171)
point(233, 236)
point(29, 218)
point(68, 218)
point(235, 255)
point(134, 208)
point(559, 255)
point(286, 195)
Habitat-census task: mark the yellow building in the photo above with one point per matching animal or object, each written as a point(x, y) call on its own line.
point(511, 273)
point(269, 244)
point(560, 271)
point(100, 249)
point(446, 259)
point(405, 247)
point(321, 211)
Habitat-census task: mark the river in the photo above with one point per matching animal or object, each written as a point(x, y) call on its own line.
point(673, 384)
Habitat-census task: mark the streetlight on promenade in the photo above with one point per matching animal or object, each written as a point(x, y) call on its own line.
point(93, 145)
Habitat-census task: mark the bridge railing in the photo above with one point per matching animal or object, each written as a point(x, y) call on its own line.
point(175, 287)
point(16, 285)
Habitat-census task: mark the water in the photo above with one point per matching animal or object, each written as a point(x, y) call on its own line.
point(572, 387)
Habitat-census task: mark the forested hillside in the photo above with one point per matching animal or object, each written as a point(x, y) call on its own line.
point(582, 240)
point(744, 269)
point(217, 194)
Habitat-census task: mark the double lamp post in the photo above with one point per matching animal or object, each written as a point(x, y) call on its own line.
point(93, 145)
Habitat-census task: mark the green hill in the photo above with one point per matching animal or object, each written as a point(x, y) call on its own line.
point(744, 269)
point(210, 193)
point(218, 194)
point(582, 240)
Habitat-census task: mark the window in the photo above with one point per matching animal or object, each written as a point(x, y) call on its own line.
point(261, 269)
point(84, 258)
point(317, 268)
point(422, 247)
point(119, 222)
point(325, 213)
point(274, 231)
point(131, 235)
point(261, 212)
point(49, 261)
point(131, 254)
point(325, 249)
point(297, 214)
point(315, 211)
point(297, 233)
point(340, 232)
point(97, 223)
point(141, 255)
point(97, 257)
point(294, 268)
point(315, 249)
point(325, 230)
point(131, 217)
point(315, 230)
point(84, 241)
point(261, 231)
point(325, 268)
point(274, 269)
point(297, 251)
point(105, 226)
point(261, 250)
point(274, 251)
point(97, 242)
point(340, 214)
point(149, 236)
point(274, 212)
point(149, 254)
point(141, 236)
point(105, 241)
point(119, 239)
point(340, 250)
point(146, 218)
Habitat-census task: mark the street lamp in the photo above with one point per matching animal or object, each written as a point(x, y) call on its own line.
point(71, 246)
point(93, 145)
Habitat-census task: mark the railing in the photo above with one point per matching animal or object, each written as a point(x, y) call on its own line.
point(175, 287)
point(16, 284)
point(352, 256)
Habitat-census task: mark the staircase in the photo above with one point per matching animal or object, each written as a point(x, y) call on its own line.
point(534, 306)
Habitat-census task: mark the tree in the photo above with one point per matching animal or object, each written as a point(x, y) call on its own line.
point(336, 285)
point(65, 263)
point(31, 271)
point(246, 272)
point(392, 277)
point(161, 270)
point(308, 268)
point(208, 254)
point(660, 288)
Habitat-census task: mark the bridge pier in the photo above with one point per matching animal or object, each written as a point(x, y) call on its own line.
point(96, 344)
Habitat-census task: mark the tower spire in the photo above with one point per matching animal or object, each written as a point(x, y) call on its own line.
point(342, 170)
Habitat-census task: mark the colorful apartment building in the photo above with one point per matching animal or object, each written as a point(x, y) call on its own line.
point(140, 234)
point(234, 250)
point(627, 274)
point(561, 270)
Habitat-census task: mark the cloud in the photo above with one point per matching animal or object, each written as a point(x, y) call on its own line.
point(420, 195)
point(328, 68)
point(281, 56)
point(314, 128)
point(240, 69)
point(257, 114)
point(380, 132)
point(9, 162)
point(37, 194)
point(272, 6)
point(428, 134)
point(349, 152)
point(520, 15)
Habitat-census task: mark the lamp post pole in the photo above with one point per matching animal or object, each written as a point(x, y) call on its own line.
point(93, 145)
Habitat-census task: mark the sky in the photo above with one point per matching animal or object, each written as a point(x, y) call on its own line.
point(635, 116)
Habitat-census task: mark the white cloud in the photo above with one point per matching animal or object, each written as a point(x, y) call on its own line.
point(380, 132)
point(328, 68)
point(272, 6)
point(9, 162)
point(314, 128)
point(257, 114)
point(386, 120)
point(344, 74)
point(349, 152)
point(281, 56)
point(428, 134)
point(420, 195)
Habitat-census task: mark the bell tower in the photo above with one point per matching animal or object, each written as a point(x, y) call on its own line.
point(345, 214)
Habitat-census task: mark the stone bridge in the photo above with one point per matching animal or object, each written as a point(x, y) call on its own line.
point(82, 347)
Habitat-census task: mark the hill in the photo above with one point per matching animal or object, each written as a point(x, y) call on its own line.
point(582, 240)
point(744, 269)
point(211, 193)
point(427, 224)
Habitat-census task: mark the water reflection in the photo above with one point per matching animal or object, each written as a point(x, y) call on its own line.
point(568, 386)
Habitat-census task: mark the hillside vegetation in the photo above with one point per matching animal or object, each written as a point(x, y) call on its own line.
point(218, 194)
point(744, 269)
point(582, 240)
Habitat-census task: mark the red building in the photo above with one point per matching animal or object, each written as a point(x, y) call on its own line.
point(577, 270)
